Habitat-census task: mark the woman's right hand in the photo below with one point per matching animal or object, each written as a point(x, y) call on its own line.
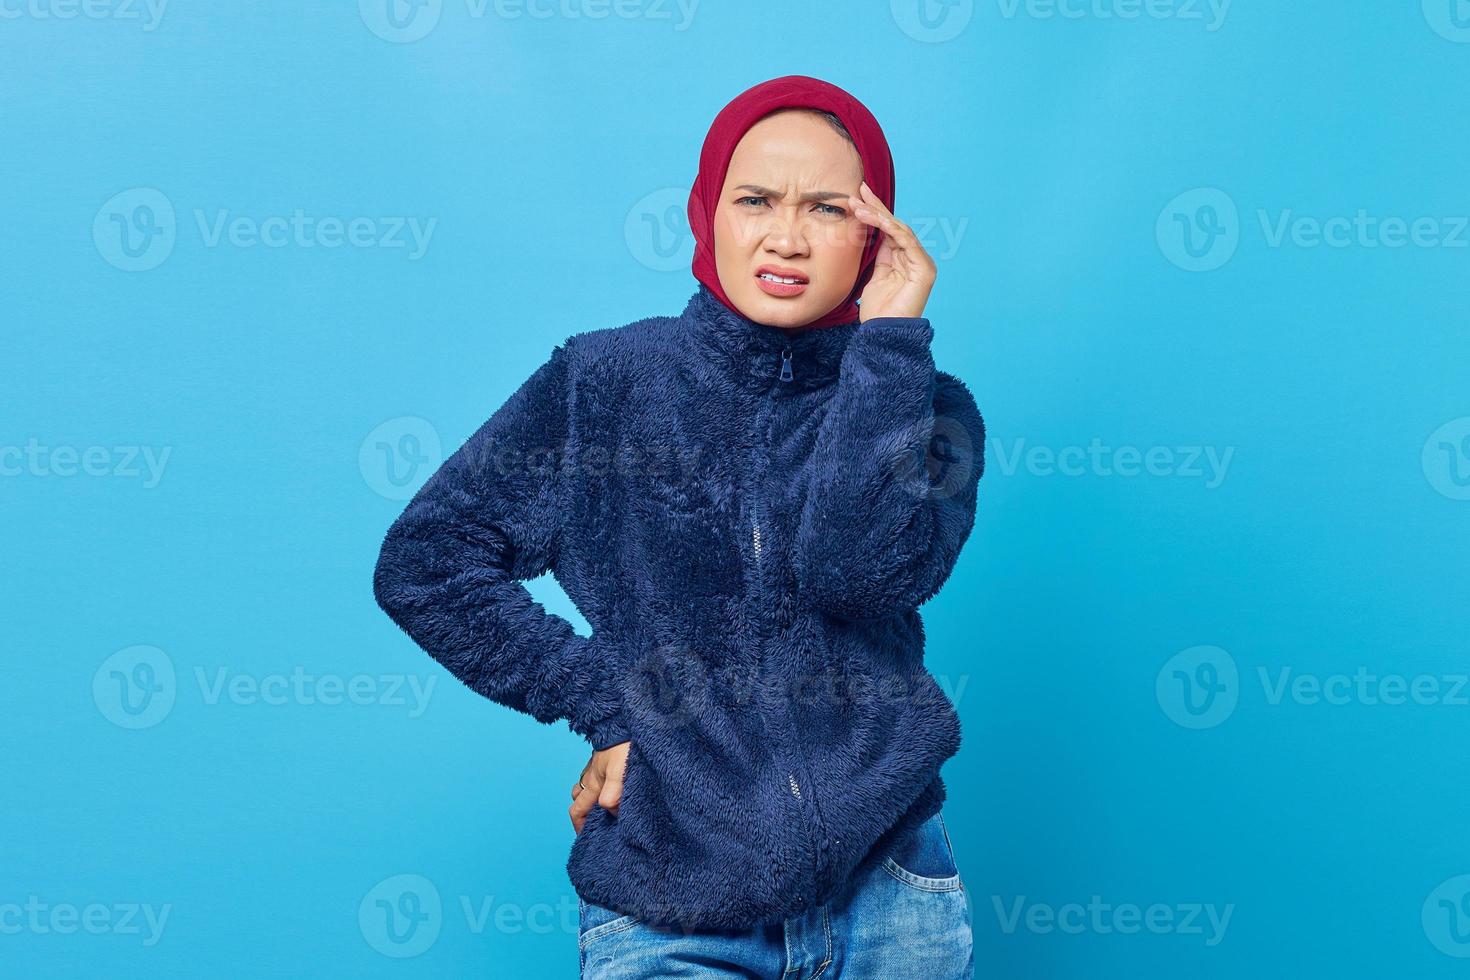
point(601, 783)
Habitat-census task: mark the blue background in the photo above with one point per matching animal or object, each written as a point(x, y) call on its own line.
point(1071, 155)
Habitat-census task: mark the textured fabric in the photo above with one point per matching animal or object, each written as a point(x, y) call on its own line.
point(731, 123)
point(750, 553)
point(890, 922)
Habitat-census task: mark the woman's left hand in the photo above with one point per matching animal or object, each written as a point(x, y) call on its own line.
point(904, 273)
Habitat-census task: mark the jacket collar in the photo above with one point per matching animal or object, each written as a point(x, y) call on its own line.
point(752, 352)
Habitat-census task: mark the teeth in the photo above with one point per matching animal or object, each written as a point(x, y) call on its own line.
point(767, 276)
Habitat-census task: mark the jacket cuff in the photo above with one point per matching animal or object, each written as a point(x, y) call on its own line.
point(913, 334)
point(609, 727)
point(610, 731)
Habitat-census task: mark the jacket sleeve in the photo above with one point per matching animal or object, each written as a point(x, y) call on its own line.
point(890, 486)
point(451, 566)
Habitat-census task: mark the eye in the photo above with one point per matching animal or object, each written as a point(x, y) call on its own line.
point(744, 199)
point(833, 209)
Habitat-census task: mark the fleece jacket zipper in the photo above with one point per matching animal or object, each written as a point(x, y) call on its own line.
point(798, 782)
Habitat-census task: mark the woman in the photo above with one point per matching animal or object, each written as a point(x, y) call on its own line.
point(748, 501)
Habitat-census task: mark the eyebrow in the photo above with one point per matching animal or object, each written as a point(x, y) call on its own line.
point(808, 196)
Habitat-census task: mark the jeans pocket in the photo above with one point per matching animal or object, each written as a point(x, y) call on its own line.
point(596, 921)
point(924, 858)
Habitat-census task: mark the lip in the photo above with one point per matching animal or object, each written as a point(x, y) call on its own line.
point(781, 288)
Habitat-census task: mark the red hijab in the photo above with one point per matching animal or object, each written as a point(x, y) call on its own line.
point(788, 91)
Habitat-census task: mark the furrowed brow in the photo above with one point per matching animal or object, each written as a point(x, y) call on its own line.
point(808, 196)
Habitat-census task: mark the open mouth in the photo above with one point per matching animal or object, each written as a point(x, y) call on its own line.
point(780, 281)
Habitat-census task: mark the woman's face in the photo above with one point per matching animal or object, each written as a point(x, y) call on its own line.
point(784, 209)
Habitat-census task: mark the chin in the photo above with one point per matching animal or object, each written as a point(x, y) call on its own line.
point(776, 312)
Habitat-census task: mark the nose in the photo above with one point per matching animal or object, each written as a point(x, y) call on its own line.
point(786, 236)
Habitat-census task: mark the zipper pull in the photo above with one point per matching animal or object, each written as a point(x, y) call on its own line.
point(786, 365)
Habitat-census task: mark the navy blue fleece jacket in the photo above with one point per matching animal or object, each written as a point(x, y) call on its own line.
point(748, 521)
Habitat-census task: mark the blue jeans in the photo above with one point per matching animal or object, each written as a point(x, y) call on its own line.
point(907, 915)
